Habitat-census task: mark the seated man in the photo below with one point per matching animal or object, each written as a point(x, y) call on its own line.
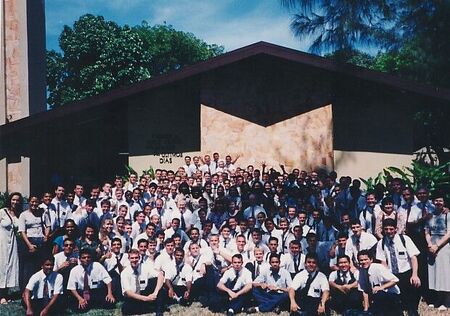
point(42, 293)
point(179, 280)
point(90, 285)
point(310, 289)
point(344, 287)
point(141, 287)
point(270, 288)
point(381, 293)
point(236, 284)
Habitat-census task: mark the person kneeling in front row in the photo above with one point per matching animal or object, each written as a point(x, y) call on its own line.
point(42, 293)
point(141, 287)
point(309, 290)
point(90, 285)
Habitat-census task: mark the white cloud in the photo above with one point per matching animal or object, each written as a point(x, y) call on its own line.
point(230, 23)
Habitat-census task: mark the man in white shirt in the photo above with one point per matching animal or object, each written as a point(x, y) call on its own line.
point(179, 280)
point(43, 291)
point(360, 240)
point(271, 287)
point(380, 291)
point(61, 210)
point(236, 284)
point(309, 291)
point(90, 285)
point(345, 295)
point(79, 199)
point(141, 287)
point(399, 254)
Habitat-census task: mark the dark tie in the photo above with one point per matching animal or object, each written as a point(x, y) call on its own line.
point(275, 276)
point(86, 289)
point(394, 262)
point(344, 277)
point(183, 222)
point(257, 269)
point(136, 281)
point(234, 281)
point(45, 295)
point(58, 213)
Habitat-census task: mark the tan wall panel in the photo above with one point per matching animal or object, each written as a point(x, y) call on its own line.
point(367, 164)
point(19, 176)
point(304, 141)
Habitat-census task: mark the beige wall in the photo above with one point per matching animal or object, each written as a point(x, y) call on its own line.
point(304, 141)
point(367, 164)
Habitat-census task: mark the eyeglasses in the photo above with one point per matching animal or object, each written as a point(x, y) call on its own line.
point(68, 245)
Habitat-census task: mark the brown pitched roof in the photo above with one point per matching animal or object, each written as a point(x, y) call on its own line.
point(260, 48)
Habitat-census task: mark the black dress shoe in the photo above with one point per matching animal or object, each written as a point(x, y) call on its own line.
point(251, 310)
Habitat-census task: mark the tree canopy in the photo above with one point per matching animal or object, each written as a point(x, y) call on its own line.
point(410, 36)
point(98, 55)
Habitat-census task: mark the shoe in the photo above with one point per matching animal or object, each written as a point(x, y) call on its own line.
point(277, 310)
point(251, 310)
point(230, 312)
point(442, 308)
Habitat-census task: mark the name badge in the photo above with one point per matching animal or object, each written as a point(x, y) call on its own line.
point(401, 253)
point(94, 284)
point(141, 281)
point(316, 290)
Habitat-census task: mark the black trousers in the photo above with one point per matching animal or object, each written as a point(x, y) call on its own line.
point(135, 307)
point(308, 305)
point(96, 300)
point(341, 302)
point(385, 304)
point(410, 296)
point(116, 286)
point(39, 304)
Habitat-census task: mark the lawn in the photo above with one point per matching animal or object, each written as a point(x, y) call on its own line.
point(15, 308)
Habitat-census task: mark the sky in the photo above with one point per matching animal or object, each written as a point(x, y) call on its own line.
point(231, 23)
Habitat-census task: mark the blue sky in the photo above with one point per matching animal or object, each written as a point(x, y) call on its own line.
point(231, 23)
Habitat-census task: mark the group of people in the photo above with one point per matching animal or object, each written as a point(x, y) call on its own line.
point(234, 239)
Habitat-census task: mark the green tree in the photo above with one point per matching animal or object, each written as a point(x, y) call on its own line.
point(411, 37)
point(99, 55)
point(171, 49)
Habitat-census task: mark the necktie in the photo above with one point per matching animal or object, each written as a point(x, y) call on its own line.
point(309, 281)
point(216, 261)
point(275, 276)
point(118, 264)
point(57, 212)
point(357, 243)
point(183, 222)
point(45, 295)
point(394, 262)
point(136, 280)
point(86, 289)
point(296, 264)
point(408, 212)
point(257, 269)
point(224, 243)
point(234, 281)
point(344, 277)
point(253, 211)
